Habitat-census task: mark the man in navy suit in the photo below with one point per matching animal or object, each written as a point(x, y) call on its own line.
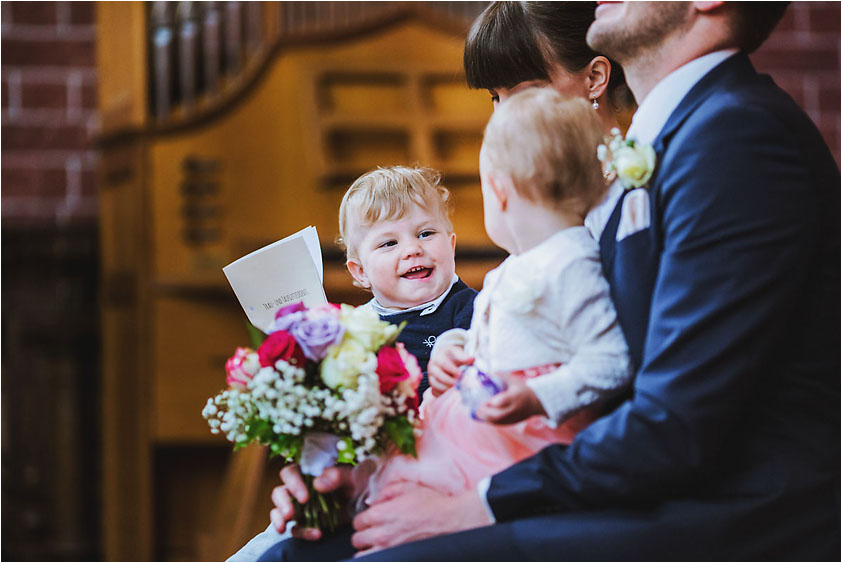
point(725, 271)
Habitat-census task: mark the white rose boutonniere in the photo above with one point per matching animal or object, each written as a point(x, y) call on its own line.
point(633, 162)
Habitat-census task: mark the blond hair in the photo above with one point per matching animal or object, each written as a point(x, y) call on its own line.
point(547, 144)
point(387, 194)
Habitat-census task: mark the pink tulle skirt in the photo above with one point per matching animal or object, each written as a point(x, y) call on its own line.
point(455, 451)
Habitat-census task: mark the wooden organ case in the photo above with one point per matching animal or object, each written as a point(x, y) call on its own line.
point(226, 126)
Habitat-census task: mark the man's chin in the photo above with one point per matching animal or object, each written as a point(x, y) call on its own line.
point(600, 38)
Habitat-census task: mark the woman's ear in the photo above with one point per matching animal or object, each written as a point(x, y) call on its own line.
point(598, 75)
point(357, 272)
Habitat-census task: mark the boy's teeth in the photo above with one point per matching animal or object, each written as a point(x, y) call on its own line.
point(423, 271)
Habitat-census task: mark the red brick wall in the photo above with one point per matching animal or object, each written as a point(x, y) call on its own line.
point(49, 99)
point(802, 56)
point(48, 113)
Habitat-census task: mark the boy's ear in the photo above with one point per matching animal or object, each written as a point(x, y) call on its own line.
point(357, 272)
point(453, 242)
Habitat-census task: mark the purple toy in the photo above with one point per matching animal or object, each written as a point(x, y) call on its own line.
point(476, 387)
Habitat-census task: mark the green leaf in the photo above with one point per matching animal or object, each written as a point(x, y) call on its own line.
point(346, 455)
point(399, 431)
point(256, 336)
point(394, 338)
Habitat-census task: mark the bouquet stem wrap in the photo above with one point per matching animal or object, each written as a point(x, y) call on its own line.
point(322, 510)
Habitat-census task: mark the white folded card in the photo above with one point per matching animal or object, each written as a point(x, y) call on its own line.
point(279, 274)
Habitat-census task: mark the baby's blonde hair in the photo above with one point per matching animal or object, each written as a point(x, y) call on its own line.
point(547, 144)
point(387, 194)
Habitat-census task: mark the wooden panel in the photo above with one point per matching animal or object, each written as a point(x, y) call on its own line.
point(127, 488)
point(192, 339)
point(127, 492)
point(270, 149)
point(179, 203)
point(120, 218)
point(121, 64)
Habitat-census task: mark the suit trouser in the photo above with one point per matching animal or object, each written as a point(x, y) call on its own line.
point(687, 529)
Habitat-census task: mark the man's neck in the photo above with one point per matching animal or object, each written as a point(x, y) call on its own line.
point(647, 70)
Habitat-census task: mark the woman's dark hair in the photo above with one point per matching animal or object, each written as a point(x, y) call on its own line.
point(513, 42)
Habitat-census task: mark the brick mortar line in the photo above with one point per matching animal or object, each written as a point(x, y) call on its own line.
point(26, 158)
point(47, 118)
point(14, 91)
point(62, 15)
point(49, 74)
point(6, 12)
point(803, 40)
point(49, 33)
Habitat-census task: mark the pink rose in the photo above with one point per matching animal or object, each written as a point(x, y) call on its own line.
point(409, 386)
point(288, 309)
point(390, 368)
point(280, 346)
point(241, 368)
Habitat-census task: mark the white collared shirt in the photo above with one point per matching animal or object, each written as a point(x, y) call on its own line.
point(427, 308)
point(650, 118)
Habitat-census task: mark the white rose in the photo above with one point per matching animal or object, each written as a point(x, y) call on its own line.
point(634, 165)
point(344, 363)
point(364, 325)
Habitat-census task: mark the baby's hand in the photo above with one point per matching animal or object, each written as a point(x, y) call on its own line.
point(443, 367)
point(518, 402)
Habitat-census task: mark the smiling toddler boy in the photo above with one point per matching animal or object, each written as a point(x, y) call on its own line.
point(394, 224)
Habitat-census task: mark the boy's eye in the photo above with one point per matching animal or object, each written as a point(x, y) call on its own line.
point(425, 234)
point(386, 244)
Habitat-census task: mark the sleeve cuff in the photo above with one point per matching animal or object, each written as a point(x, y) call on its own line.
point(482, 489)
point(452, 337)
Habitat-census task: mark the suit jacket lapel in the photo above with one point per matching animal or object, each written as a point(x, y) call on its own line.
point(737, 65)
point(608, 238)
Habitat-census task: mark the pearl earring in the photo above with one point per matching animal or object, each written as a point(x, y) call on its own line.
point(595, 103)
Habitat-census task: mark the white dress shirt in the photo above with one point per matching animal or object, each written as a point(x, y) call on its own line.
point(428, 308)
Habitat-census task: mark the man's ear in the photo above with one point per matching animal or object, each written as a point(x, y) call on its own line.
point(500, 185)
point(707, 6)
point(599, 73)
point(357, 272)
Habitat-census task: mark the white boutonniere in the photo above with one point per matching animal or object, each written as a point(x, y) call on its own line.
point(632, 162)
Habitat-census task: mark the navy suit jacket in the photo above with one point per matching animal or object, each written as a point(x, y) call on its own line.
point(730, 304)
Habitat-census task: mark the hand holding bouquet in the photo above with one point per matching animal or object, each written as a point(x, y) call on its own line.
point(328, 385)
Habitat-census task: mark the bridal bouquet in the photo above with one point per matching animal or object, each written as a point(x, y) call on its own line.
point(328, 385)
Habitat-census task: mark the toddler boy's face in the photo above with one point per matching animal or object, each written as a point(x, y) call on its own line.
point(406, 262)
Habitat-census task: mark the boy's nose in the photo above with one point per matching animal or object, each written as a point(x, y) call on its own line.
point(414, 249)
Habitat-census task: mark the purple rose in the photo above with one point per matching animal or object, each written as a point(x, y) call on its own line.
point(288, 316)
point(316, 334)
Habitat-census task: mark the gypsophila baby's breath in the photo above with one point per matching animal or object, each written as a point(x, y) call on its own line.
point(351, 395)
